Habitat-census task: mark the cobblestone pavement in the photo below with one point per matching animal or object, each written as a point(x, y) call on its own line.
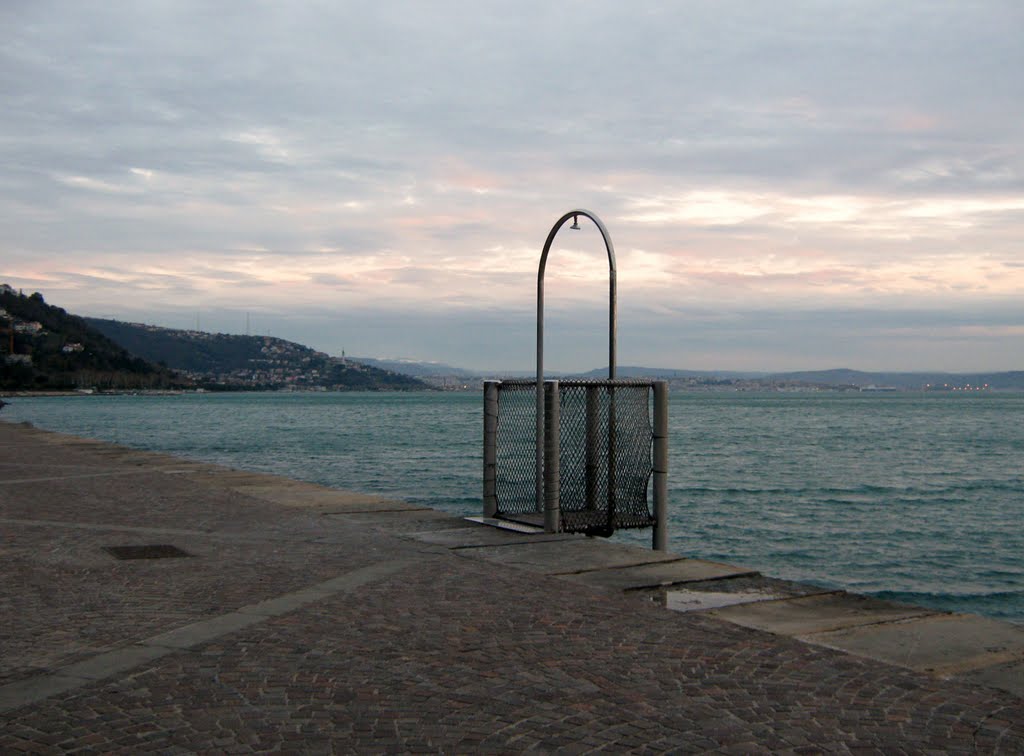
point(292, 629)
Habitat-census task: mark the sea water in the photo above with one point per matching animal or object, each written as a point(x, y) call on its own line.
point(917, 497)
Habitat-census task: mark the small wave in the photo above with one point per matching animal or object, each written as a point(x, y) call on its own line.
point(876, 492)
point(1004, 605)
point(950, 595)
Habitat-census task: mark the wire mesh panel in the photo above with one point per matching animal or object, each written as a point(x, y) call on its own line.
point(604, 456)
point(515, 463)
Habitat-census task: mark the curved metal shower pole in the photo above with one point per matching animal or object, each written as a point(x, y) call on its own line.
point(612, 308)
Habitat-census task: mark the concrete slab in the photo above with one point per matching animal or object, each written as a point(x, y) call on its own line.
point(697, 601)
point(110, 663)
point(568, 557)
point(658, 574)
point(368, 506)
point(806, 615)
point(482, 535)
point(24, 692)
point(768, 586)
point(1009, 677)
point(204, 631)
point(315, 497)
point(714, 594)
point(348, 582)
point(942, 645)
point(399, 521)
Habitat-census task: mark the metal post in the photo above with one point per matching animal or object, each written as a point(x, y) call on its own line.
point(593, 447)
point(612, 327)
point(490, 448)
point(552, 447)
point(612, 468)
point(660, 540)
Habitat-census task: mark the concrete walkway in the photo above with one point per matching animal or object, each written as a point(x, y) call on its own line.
point(296, 617)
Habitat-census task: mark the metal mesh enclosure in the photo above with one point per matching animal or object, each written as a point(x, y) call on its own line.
point(604, 455)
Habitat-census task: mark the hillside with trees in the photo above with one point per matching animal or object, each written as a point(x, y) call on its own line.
point(231, 362)
point(45, 348)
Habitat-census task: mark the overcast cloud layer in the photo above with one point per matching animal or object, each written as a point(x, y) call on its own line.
point(788, 185)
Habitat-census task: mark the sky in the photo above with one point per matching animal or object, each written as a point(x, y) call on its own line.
point(787, 185)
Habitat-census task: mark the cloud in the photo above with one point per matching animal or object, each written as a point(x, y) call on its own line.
point(410, 156)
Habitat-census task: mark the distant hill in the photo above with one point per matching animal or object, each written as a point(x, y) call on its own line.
point(1011, 380)
point(440, 375)
point(633, 371)
point(227, 361)
point(47, 349)
point(417, 368)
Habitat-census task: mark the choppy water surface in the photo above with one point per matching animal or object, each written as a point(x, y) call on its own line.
point(917, 497)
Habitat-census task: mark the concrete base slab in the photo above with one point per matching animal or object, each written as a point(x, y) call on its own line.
point(570, 556)
point(496, 522)
point(475, 537)
point(1008, 677)
point(658, 574)
point(939, 644)
point(805, 615)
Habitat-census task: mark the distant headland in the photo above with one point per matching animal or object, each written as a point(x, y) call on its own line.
point(45, 348)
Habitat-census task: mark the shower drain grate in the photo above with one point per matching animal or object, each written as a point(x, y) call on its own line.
point(153, 551)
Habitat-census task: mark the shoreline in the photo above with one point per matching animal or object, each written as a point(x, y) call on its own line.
point(440, 452)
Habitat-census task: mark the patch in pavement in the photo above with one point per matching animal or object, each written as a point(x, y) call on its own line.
point(149, 551)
